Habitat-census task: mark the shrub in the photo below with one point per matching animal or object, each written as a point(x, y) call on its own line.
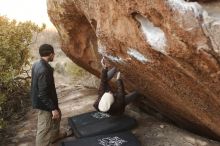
point(75, 71)
point(15, 38)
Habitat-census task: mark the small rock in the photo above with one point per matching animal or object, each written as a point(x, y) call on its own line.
point(162, 126)
point(15, 140)
point(200, 142)
point(190, 140)
point(23, 144)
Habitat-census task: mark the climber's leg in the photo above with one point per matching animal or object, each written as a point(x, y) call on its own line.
point(111, 73)
point(131, 97)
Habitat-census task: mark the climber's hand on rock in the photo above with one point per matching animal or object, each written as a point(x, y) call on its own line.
point(103, 62)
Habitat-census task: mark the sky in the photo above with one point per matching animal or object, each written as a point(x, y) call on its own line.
point(22, 10)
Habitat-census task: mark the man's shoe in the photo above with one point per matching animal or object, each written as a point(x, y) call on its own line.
point(63, 135)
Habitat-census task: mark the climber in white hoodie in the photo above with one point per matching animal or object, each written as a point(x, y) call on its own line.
point(109, 101)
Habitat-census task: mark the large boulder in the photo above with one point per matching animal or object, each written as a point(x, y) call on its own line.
point(168, 50)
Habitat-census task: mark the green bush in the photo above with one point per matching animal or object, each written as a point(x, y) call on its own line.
point(15, 39)
point(74, 70)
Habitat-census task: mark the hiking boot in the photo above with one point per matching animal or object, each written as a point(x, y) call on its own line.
point(63, 135)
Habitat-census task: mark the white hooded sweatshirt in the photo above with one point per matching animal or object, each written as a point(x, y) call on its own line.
point(106, 101)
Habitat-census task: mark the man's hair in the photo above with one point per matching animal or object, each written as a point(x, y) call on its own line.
point(45, 50)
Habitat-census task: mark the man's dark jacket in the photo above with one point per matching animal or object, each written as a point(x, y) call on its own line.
point(43, 91)
point(118, 106)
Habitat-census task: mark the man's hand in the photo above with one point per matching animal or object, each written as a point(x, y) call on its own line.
point(55, 114)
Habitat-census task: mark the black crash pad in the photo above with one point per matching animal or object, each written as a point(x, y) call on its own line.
point(98, 123)
point(115, 139)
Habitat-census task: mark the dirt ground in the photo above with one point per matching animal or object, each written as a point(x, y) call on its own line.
point(74, 100)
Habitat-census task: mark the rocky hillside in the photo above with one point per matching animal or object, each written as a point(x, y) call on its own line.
point(168, 50)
